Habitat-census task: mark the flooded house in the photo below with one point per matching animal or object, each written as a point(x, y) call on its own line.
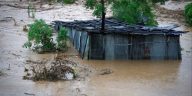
point(121, 41)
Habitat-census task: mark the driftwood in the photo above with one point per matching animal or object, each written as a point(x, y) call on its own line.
point(1, 73)
point(31, 94)
point(7, 19)
point(38, 9)
point(15, 6)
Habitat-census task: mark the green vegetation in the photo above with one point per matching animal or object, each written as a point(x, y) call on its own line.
point(188, 13)
point(62, 40)
point(130, 11)
point(40, 37)
point(134, 12)
point(96, 6)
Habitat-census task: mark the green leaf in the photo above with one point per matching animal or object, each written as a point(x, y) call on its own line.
point(98, 10)
point(90, 4)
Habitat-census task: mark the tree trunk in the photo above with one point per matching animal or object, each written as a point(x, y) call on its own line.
point(103, 16)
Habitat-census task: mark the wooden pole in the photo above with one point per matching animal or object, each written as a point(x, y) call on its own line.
point(103, 26)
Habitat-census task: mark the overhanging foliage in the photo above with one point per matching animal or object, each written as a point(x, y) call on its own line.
point(188, 14)
point(130, 11)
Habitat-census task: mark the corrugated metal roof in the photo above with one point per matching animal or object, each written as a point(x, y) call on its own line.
point(114, 26)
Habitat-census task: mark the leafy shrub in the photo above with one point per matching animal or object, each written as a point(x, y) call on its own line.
point(40, 37)
point(188, 13)
point(62, 40)
point(134, 12)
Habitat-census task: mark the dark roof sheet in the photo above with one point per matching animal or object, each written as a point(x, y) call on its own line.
point(114, 26)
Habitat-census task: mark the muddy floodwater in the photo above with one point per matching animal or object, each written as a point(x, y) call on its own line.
point(126, 78)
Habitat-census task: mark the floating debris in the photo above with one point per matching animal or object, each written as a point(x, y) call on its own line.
point(1, 73)
point(9, 67)
point(29, 94)
point(57, 70)
point(187, 51)
point(105, 71)
point(25, 28)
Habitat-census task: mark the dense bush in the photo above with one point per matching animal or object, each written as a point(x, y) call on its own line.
point(41, 40)
point(133, 12)
point(188, 14)
point(40, 37)
point(62, 40)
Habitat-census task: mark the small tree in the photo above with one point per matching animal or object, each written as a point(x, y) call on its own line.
point(130, 11)
point(188, 13)
point(99, 10)
point(62, 40)
point(134, 12)
point(40, 37)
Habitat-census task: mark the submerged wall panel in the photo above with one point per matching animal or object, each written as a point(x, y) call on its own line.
point(86, 52)
point(73, 31)
point(173, 47)
point(76, 41)
point(138, 46)
point(96, 47)
point(124, 47)
point(121, 44)
point(158, 48)
point(109, 47)
point(83, 43)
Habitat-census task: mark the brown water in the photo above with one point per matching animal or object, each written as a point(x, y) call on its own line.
point(129, 78)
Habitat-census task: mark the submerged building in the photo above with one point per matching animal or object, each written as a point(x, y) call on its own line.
point(121, 41)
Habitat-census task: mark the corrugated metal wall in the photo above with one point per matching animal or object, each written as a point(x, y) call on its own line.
point(109, 51)
point(174, 50)
point(121, 47)
point(124, 47)
point(83, 43)
point(158, 48)
point(96, 48)
point(80, 41)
